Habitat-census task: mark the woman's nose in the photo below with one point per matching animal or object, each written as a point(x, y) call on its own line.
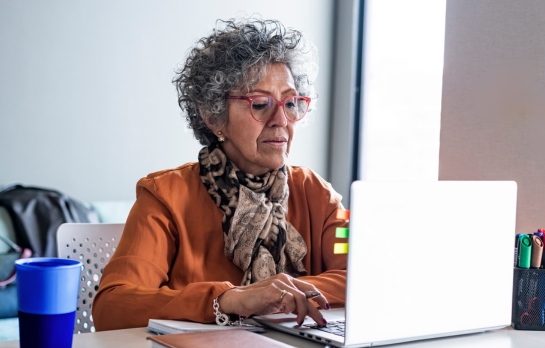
point(278, 119)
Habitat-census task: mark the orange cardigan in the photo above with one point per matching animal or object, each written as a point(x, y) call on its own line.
point(170, 263)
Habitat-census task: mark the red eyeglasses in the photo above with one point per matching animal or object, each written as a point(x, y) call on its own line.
point(263, 107)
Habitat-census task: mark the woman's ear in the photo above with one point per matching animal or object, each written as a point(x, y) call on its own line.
point(213, 127)
point(218, 131)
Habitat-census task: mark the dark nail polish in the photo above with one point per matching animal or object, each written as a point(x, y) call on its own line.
point(324, 321)
point(327, 306)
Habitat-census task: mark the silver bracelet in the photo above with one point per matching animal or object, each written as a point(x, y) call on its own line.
point(222, 319)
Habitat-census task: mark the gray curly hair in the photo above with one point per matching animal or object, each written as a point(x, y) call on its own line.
point(233, 59)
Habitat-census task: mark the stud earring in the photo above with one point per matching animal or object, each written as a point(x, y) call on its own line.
point(221, 138)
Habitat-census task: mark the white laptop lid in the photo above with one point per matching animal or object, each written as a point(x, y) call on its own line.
point(429, 259)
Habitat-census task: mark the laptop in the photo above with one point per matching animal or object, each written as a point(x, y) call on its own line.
point(425, 260)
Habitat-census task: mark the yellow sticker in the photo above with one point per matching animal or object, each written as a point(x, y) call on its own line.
point(340, 248)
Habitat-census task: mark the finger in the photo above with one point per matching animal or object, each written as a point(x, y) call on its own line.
point(322, 301)
point(304, 308)
point(287, 300)
point(302, 305)
point(300, 298)
point(307, 287)
point(288, 304)
point(316, 315)
point(293, 299)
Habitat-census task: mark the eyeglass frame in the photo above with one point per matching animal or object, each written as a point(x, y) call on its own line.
point(280, 103)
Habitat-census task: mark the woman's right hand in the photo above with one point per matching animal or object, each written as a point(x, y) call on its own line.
point(279, 293)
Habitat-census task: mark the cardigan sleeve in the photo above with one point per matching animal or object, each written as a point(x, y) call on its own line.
point(134, 287)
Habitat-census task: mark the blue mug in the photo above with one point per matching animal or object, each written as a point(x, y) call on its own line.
point(47, 290)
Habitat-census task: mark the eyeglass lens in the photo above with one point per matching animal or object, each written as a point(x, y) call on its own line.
point(263, 108)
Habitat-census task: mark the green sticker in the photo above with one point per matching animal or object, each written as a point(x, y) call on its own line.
point(341, 232)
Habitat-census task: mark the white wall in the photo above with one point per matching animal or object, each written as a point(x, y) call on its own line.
point(493, 113)
point(86, 101)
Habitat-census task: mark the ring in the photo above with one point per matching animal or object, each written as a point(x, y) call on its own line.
point(282, 294)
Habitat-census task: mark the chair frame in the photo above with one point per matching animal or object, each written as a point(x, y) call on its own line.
point(93, 245)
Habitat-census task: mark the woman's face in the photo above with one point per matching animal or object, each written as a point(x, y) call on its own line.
point(257, 147)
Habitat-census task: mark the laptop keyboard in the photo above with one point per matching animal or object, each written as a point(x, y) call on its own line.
point(333, 327)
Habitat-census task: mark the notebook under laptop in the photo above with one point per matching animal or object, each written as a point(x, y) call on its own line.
point(425, 260)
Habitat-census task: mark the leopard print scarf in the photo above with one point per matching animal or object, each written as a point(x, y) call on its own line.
point(258, 239)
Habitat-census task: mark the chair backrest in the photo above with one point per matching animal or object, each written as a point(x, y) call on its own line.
point(93, 245)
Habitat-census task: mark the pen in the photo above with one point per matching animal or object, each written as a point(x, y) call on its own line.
point(312, 294)
point(539, 233)
point(537, 251)
point(525, 251)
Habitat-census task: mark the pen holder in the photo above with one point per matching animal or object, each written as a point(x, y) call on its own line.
point(528, 299)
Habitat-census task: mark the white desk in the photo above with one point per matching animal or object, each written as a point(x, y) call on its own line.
point(505, 338)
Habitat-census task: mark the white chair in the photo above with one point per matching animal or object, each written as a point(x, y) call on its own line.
point(93, 245)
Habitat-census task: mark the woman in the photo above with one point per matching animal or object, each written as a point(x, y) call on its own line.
point(239, 232)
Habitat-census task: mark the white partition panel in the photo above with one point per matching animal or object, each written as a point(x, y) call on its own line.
point(401, 106)
point(493, 119)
